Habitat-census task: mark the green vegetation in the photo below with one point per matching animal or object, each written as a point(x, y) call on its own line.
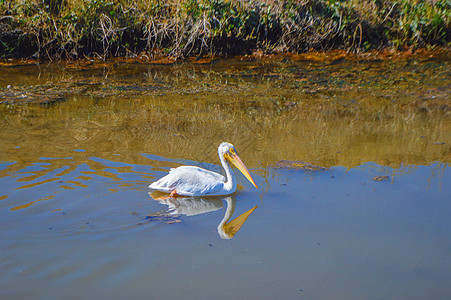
point(180, 28)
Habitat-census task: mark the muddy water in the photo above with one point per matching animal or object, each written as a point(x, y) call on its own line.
point(351, 157)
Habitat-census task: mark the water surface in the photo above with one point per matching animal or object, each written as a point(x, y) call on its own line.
point(369, 219)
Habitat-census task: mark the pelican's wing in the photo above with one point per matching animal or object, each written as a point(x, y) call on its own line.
point(198, 170)
point(190, 181)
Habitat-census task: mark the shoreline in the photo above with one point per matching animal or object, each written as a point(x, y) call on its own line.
point(330, 56)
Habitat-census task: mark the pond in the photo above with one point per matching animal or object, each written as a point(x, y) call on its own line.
point(351, 156)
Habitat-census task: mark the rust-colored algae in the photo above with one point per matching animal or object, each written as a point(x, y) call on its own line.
point(381, 178)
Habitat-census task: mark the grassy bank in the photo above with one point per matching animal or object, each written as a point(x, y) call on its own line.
point(179, 28)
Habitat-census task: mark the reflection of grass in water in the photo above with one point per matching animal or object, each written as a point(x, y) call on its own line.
point(325, 132)
point(323, 113)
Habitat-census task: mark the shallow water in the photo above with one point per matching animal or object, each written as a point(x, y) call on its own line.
point(370, 217)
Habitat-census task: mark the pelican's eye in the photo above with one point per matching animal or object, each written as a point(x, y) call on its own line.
point(232, 151)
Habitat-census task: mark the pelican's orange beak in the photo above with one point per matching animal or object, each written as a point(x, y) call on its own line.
point(236, 160)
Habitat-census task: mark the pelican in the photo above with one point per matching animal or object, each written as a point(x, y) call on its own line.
point(191, 206)
point(195, 181)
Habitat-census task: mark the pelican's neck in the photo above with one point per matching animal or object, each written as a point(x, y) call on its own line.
point(230, 184)
point(231, 202)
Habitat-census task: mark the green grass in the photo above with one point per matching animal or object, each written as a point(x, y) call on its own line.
point(79, 28)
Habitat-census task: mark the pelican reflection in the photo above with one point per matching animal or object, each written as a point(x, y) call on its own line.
point(191, 206)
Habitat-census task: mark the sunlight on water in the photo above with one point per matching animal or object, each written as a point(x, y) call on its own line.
point(351, 159)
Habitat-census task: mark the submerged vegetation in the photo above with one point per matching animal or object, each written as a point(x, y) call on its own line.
point(180, 28)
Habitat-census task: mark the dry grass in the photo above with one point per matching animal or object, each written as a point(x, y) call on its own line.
point(79, 28)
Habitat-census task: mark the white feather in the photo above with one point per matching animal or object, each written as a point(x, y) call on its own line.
point(190, 181)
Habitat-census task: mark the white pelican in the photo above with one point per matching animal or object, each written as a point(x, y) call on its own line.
point(192, 206)
point(195, 181)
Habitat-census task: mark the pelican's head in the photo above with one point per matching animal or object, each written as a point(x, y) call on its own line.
point(229, 153)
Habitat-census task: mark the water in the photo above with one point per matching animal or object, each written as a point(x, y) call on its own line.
point(371, 218)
